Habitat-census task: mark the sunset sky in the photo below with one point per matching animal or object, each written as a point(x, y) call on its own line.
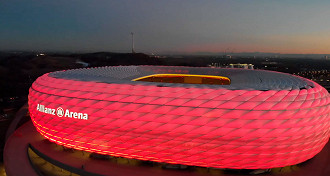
point(184, 26)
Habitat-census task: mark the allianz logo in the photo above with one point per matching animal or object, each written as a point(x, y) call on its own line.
point(60, 112)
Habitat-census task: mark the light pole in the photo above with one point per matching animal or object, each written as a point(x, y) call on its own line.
point(132, 42)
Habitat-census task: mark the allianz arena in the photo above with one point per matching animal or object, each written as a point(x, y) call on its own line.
point(209, 117)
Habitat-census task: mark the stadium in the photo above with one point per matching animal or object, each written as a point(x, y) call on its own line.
point(189, 117)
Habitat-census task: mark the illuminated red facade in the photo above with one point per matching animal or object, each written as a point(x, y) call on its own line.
point(278, 120)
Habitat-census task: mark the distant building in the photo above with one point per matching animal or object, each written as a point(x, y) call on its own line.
point(245, 66)
point(41, 54)
point(227, 56)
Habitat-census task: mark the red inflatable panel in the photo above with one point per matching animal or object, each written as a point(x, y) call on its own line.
point(205, 126)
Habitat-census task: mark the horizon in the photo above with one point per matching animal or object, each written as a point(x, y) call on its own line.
point(197, 53)
point(293, 27)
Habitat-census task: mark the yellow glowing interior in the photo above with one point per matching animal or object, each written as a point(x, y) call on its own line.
point(185, 79)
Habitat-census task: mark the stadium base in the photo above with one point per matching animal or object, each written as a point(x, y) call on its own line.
point(29, 153)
